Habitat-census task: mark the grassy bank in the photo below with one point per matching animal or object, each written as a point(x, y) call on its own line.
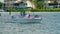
point(34, 10)
point(47, 10)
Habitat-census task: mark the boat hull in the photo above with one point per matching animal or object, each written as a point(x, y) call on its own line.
point(24, 20)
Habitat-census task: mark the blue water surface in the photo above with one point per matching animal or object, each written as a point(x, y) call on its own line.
point(50, 24)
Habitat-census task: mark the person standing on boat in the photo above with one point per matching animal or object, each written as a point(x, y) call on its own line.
point(23, 13)
point(29, 16)
point(0, 14)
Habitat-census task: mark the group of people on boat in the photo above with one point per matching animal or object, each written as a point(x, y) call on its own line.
point(28, 15)
point(23, 14)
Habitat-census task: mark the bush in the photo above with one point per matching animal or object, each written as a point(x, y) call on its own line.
point(46, 10)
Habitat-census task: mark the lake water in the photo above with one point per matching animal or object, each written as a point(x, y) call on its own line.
point(50, 24)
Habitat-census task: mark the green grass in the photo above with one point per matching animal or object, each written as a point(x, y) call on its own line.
point(16, 9)
point(34, 10)
point(47, 10)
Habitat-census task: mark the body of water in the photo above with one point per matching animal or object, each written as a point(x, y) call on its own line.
point(50, 24)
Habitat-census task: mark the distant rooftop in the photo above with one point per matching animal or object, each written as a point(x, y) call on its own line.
point(51, 1)
point(13, 1)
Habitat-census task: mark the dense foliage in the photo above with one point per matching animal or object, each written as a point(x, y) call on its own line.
point(1, 5)
point(38, 3)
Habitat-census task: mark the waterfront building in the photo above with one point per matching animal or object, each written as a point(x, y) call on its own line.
point(52, 3)
point(17, 4)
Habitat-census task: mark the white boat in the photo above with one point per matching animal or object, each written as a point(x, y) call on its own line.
point(19, 19)
point(25, 19)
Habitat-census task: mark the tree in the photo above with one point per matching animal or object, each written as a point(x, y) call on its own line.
point(38, 3)
point(38, 0)
point(1, 4)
